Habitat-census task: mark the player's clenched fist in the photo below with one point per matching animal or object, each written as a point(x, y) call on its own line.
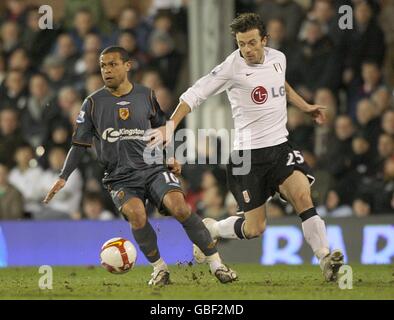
point(59, 184)
point(174, 166)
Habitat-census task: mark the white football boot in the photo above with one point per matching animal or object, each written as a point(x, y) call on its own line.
point(199, 256)
point(160, 276)
point(224, 274)
point(330, 265)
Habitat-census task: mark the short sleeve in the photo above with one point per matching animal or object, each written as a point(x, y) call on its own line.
point(158, 117)
point(84, 131)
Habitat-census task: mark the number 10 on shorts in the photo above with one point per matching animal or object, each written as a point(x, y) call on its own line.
point(170, 177)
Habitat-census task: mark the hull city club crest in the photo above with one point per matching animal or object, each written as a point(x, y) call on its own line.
point(124, 113)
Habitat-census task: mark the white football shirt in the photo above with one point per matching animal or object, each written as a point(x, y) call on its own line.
point(257, 96)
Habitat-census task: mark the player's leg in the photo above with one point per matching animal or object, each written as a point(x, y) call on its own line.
point(248, 225)
point(251, 195)
point(296, 189)
point(133, 209)
point(175, 204)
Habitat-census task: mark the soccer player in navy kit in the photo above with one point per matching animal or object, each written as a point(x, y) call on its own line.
point(115, 120)
point(253, 77)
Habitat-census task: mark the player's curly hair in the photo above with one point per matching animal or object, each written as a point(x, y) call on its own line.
point(248, 21)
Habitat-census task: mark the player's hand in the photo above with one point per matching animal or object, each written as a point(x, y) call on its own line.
point(174, 166)
point(161, 135)
point(59, 184)
point(317, 113)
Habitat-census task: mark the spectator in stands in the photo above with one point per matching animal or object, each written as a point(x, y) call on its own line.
point(93, 207)
point(25, 177)
point(40, 112)
point(164, 22)
point(212, 202)
point(20, 60)
point(364, 42)
point(371, 82)
point(84, 24)
point(9, 36)
point(16, 11)
point(92, 42)
point(10, 135)
point(93, 83)
point(362, 206)
point(151, 79)
point(288, 10)
point(277, 39)
point(337, 160)
point(131, 20)
point(11, 200)
point(13, 90)
point(38, 42)
point(55, 71)
point(317, 51)
point(385, 150)
point(127, 40)
point(2, 67)
point(367, 121)
point(333, 206)
point(388, 122)
point(165, 58)
point(66, 50)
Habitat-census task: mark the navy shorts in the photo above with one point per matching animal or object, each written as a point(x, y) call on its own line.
point(150, 184)
point(269, 169)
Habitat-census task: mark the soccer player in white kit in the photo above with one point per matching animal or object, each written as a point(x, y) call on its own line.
point(253, 77)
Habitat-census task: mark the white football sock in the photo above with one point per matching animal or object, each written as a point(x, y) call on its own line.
point(159, 265)
point(214, 262)
point(225, 228)
point(315, 234)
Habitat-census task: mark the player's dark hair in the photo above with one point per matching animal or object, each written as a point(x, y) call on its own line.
point(124, 55)
point(246, 22)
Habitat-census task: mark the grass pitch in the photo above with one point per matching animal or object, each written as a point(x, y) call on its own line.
point(195, 282)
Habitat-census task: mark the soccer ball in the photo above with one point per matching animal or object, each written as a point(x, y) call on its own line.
point(118, 255)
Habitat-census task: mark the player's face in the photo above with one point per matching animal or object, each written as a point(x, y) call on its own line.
point(251, 45)
point(113, 69)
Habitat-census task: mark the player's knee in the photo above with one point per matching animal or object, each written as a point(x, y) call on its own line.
point(136, 216)
point(180, 211)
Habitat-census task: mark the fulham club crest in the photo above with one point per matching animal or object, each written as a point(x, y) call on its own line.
point(124, 113)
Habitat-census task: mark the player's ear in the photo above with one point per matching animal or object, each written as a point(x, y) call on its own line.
point(129, 64)
point(264, 40)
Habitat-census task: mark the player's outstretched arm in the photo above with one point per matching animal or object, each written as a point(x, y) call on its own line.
point(73, 158)
point(58, 185)
point(314, 110)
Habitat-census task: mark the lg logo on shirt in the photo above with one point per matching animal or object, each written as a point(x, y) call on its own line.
point(260, 95)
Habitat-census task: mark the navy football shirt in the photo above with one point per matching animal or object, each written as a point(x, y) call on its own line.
point(116, 126)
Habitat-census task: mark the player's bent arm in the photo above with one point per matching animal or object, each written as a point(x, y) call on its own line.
point(180, 112)
point(315, 111)
point(294, 98)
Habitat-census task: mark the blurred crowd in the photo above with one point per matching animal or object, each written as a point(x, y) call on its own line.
point(46, 74)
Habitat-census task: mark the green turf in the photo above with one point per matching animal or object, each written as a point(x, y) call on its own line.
point(195, 282)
